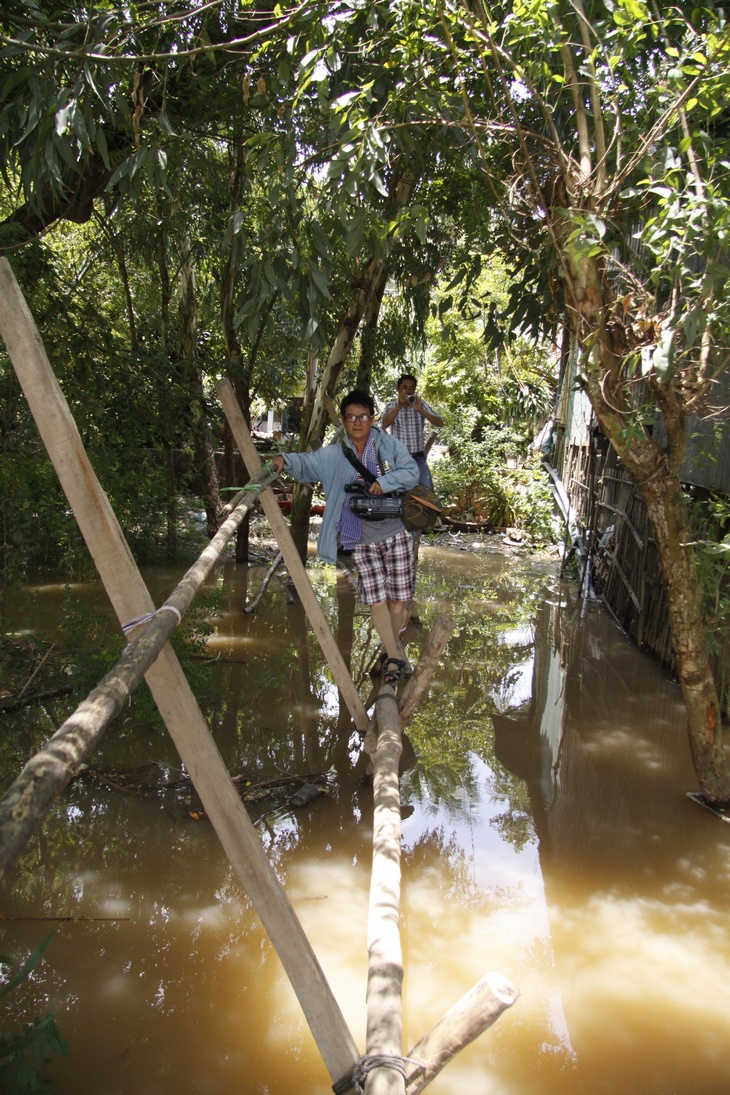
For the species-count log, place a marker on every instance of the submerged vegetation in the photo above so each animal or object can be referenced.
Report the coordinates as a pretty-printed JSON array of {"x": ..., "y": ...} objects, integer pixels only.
[{"x": 25, "y": 1053}]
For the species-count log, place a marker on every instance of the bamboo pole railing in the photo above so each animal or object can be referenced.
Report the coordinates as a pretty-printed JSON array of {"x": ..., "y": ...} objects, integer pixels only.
[
  {"x": 168, "y": 684},
  {"x": 295, "y": 566}
]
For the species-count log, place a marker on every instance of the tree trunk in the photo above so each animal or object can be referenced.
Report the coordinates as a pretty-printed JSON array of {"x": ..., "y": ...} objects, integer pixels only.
[
  {"x": 117, "y": 247},
  {"x": 301, "y": 511},
  {"x": 239, "y": 371},
  {"x": 168, "y": 456},
  {"x": 668, "y": 513},
  {"x": 202, "y": 448},
  {"x": 368, "y": 301},
  {"x": 364, "y": 378},
  {"x": 168, "y": 459},
  {"x": 313, "y": 430}
]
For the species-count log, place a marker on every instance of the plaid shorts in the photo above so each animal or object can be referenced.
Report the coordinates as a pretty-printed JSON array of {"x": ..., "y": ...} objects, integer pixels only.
[{"x": 386, "y": 570}]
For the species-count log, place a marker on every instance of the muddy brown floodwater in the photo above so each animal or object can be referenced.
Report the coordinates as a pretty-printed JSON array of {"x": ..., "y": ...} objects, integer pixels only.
[{"x": 546, "y": 834}]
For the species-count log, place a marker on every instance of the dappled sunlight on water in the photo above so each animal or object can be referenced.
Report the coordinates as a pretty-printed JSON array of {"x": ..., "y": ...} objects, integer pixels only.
[{"x": 546, "y": 834}]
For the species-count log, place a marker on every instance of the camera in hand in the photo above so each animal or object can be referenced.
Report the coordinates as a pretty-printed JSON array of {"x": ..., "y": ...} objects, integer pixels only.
[
  {"x": 373, "y": 507},
  {"x": 411, "y": 399}
]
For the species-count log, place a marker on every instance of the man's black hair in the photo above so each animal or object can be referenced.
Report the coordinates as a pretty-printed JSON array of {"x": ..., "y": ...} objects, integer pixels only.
[
  {"x": 406, "y": 376},
  {"x": 363, "y": 399}
]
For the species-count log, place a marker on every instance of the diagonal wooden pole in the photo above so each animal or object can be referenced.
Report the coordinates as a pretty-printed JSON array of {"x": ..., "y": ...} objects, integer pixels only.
[
  {"x": 294, "y": 564},
  {"x": 477, "y": 1010},
  {"x": 168, "y": 684}
]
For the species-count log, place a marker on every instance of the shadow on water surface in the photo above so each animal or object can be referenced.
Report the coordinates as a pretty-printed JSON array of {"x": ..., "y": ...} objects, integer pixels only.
[{"x": 546, "y": 834}]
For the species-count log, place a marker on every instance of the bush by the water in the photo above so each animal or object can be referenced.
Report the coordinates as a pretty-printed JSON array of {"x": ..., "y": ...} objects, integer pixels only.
[{"x": 476, "y": 486}]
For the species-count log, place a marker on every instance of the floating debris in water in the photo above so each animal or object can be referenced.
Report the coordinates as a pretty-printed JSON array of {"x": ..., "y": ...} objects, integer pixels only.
[{"x": 306, "y": 793}]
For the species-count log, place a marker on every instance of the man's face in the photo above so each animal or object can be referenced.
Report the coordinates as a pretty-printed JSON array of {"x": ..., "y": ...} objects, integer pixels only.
[
  {"x": 358, "y": 422},
  {"x": 406, "y": 388}
]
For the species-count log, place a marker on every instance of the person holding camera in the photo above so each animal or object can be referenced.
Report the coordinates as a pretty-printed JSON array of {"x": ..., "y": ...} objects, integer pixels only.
[
  {"x": 405, "y": 418},
  {"x": 382, "y": 548}
]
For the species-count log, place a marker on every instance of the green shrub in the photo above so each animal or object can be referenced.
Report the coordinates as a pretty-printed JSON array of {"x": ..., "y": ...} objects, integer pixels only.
[{"x": 474, "y": 485}]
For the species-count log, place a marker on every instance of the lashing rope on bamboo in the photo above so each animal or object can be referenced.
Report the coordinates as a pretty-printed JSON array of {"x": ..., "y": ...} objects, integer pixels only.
[
  {"x": 147, "y": 616},
  {"x": 366, "y": 1064}
]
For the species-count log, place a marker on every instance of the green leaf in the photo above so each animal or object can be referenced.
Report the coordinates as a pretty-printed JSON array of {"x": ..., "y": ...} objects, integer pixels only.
[
  {"x": 690, "y": 329},
  {"x": 28, "y": 966},
  {"x": 102, "y": 146},
  {"x": 356, "y": 231},
  {"x": 379, "y": 184},
  {"x": 421, "y": 226},
  {"x": 63, "y": 117},
  {"x": 319, "y": 279}
]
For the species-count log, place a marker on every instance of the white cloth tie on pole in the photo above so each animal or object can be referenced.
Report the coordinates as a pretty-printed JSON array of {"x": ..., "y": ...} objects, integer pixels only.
[{"x": 145, "y": 619}]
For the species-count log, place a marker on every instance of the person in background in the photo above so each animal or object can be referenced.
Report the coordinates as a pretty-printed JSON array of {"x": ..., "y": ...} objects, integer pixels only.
[
  {"x": 405, "y": 416},
  {"x": 382, "y": 551}
]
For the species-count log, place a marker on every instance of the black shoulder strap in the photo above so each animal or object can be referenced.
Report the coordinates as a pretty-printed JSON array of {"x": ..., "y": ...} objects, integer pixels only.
[{"x": 364, "y": 472}]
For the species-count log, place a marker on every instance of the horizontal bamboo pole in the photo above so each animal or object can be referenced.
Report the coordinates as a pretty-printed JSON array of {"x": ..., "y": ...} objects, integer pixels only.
[
  {"x": 29, "y": 798},
  {"x": 477, "y": 1010}
]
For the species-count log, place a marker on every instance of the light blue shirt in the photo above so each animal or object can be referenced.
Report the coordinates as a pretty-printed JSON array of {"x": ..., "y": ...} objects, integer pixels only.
[{"x": 330, "y": 467}]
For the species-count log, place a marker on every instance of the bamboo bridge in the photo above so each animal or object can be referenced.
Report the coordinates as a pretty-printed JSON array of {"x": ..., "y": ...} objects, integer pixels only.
[{"x": 383, "y": 1069}]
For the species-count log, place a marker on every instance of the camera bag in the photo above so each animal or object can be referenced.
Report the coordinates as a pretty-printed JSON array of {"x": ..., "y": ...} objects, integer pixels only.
[{"x": 420, "y": 507}]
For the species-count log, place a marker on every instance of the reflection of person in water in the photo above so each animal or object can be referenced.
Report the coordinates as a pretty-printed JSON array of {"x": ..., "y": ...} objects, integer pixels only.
[{"x": 382, "y": 551}]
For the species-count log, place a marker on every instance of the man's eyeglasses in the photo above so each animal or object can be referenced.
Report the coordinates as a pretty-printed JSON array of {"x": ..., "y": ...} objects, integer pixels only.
[{"x": 357, "y": 417}]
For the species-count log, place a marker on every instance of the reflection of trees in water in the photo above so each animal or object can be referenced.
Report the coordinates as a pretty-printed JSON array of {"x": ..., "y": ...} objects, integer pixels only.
[
  {"x": 601, "y": 747},
  {"x": 515, "y": 825},
  {"x": 272, "y": 713},
  {"x": 450, "y": 866},
  {"x": 452, "y": 727}
]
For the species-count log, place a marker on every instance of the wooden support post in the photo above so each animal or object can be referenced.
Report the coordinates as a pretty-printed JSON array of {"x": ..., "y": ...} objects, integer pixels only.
[
  {"x": 465, "y": 1021},
  {"x": 296, "y": 568},
  {"x": 385, "y": 959},
  {"x": 432, "y": 650},
  {"x": 167, "y": 682}
]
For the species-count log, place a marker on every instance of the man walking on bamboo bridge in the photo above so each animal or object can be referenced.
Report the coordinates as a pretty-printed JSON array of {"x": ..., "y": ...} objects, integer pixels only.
[{"x": 382, "y": 548}]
